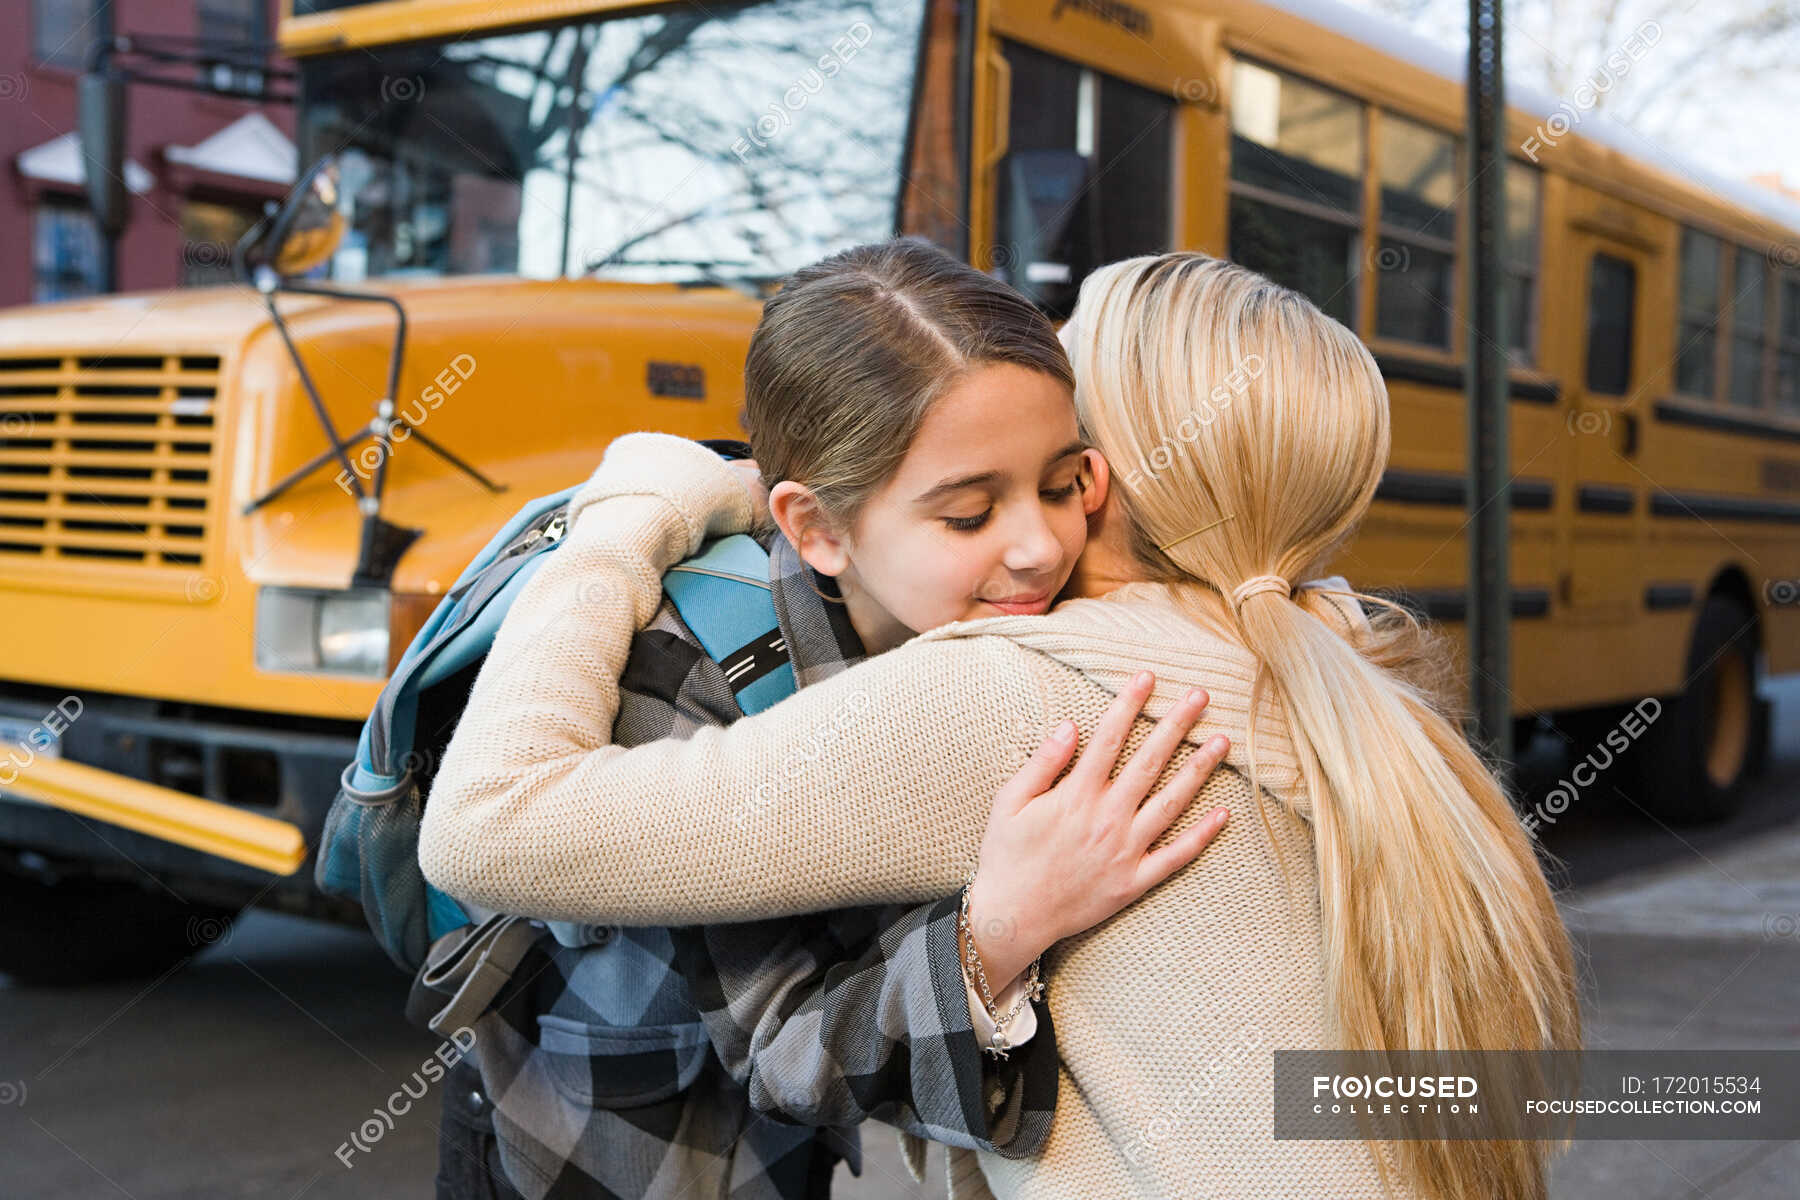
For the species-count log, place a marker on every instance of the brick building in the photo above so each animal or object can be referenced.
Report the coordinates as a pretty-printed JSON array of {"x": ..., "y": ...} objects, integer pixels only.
[{"x": 199, "y": 167}]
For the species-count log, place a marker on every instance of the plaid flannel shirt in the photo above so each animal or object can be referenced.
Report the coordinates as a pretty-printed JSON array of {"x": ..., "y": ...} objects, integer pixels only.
[{"x": 737, "y": 1060}]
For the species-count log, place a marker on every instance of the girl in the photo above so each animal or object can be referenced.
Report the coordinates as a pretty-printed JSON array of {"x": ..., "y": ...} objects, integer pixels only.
[
  {"x": 1387, "y": 899},
  {"x": 920, "y": 418}
]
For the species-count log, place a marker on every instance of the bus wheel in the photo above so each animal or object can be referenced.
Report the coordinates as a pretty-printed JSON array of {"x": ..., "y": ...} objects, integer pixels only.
[
  {"x": 1703, "y": 747},
  {"x": 77, "y": 930}
]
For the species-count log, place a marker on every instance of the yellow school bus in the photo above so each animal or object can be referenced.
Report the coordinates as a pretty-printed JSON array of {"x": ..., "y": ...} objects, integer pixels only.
[{"x": 579, "y": 206}]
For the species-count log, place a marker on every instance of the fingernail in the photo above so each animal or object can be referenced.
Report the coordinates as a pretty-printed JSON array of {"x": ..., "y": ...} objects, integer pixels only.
[
  {"x": 1217, "y": 816},
  {"x": 1196, "y": 696},
  {"x": 1218, "y": 743},
  {"x": 1063, "y": 732},
  {"x": 1141, "y": 679}
]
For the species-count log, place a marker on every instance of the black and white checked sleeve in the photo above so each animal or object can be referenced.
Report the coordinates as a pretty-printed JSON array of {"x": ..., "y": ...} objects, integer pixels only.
[{"x": 836, "y": 1018}]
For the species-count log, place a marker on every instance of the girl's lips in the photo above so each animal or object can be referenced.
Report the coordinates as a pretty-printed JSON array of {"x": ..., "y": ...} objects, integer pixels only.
[{"x": 1030, "y": 606}]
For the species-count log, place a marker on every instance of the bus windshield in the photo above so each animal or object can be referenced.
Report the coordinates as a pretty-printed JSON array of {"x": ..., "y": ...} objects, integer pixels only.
[{"x": 688, "y": 143}]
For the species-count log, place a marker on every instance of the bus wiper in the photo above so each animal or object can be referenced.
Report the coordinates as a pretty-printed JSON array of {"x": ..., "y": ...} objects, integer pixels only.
[{"x": 710, "y": 272}]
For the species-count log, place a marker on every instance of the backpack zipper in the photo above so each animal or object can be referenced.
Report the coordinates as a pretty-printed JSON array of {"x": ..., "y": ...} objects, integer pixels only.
[{"x": 550, "y": 531}]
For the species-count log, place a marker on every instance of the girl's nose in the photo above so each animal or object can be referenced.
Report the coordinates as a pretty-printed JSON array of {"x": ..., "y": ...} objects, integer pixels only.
[{"x": 1033, "y": 545}]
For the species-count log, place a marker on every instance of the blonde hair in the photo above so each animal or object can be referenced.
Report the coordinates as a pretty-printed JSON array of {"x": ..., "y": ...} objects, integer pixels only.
[{"x": 1247, "y": 432}]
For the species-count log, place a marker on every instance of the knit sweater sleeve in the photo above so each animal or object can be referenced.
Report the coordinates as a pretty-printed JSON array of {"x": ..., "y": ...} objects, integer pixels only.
[
  {"x": 872, "y": 786},
  {"x": 549, "y": 688}
]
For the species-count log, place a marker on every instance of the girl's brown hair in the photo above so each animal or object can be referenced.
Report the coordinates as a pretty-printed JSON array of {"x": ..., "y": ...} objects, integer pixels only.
[{"x": 852, "y": 352}]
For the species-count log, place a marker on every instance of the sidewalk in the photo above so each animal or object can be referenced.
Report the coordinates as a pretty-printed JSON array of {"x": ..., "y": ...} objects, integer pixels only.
[{"x": 1702, "y": 955}]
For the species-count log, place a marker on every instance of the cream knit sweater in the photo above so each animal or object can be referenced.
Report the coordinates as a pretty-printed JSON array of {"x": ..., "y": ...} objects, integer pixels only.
[{"x": 874, "y": 786}]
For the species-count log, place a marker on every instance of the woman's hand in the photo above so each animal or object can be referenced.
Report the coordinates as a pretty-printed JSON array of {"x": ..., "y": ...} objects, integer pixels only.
[
  {"x": 751, "y": 476},
  {"x": 1058, "y": 860}
]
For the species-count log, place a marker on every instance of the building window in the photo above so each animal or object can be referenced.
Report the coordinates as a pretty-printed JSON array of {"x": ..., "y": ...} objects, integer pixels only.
[
  {"x": 1416, "y": 266},
  {"x": 1787, "y": 355},
  {"x": 1612, "y": 303},
  {"x": 1749, "y": 291},
  {"x": 66, "y": 252},
  {"x": 62, "y": 31},
  {"x": 1087, "y": 177},
  {"x": 1296, "y": 185},
  {"x": 236, "y": 27},
  {"x": 1697, "y": 328}
]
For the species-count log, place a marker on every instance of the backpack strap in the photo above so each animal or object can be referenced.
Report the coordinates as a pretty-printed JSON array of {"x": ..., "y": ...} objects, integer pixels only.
[
  {"x": 723, "y": 595},
  {"x": 465, "y": 970}
]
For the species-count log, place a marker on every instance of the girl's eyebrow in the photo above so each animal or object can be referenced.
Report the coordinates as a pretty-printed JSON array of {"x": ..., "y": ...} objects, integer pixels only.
[
  {"x": 955, "y": 485},
  {"x": 968, "y": 481}
]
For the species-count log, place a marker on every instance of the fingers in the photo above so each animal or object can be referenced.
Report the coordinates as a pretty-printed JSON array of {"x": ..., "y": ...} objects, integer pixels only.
[
  {"x": 1137, "y": 776},
  {"x": 1160, "y": 864},
  {"x": 1039, "y": 772},
  {"x": 1173, "y": 799},
  {"x": 1103, "y": 748}
]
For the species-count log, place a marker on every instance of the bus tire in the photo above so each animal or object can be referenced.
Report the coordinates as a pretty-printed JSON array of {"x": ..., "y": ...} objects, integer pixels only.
[
  {"x": 1698, "y": 755},
  {"x": 77, "y": 930}
]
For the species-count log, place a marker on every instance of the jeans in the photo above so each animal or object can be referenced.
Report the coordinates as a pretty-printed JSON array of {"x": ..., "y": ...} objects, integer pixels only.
[{"x": 468, "y": 1155}]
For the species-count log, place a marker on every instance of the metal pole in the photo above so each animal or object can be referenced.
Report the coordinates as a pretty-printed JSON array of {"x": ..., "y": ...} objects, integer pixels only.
[
  {"x": 104, "y": 27},
  {"x": 1490, "y": 497}
]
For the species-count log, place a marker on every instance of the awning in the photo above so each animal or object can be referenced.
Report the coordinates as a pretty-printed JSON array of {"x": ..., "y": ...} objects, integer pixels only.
[
  {"x": 59, "y": 161},
  {"x": 251, "y": 147}
]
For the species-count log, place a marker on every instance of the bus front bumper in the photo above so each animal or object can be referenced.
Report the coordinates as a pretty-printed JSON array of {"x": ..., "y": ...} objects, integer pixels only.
[
  {"x": 265, "y": 843},
  {"x": 129, "y": 786}
]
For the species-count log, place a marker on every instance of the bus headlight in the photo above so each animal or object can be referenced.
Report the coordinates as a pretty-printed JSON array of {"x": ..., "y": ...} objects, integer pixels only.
[{"x": 343, "y": 633}]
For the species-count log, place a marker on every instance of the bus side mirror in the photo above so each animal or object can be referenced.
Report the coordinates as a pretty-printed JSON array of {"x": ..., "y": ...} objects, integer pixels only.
[
  {"x": 1046, "y": 242},
  {"x": 306, "y": 230}
]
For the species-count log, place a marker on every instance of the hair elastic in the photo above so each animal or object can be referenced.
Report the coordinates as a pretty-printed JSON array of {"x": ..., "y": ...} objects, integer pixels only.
[{"x": 1257, "y": 584}]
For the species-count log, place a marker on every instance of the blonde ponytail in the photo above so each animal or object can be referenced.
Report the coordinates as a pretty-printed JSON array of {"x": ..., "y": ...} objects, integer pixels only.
[{"x": 1439, "y": 930}]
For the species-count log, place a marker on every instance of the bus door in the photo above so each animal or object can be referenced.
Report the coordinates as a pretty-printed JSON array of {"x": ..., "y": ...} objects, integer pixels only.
[
  {"x": 1600, "y": 576},
  {"x": 1082, "y": 172}
]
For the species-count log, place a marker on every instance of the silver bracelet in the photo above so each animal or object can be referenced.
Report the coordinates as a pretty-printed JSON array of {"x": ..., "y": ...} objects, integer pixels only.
[{"x": 1033, "y": 989}]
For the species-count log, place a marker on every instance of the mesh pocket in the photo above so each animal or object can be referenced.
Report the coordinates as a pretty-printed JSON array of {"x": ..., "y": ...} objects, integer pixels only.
[{"x": 370, "y": 852}]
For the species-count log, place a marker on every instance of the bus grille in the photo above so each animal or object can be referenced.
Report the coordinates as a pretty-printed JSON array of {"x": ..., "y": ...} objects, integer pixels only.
[{"x": 106, "y": 458}]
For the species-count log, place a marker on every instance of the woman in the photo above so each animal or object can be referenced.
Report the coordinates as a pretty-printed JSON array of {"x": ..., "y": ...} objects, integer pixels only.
[{"x": 1387, "y": 898}]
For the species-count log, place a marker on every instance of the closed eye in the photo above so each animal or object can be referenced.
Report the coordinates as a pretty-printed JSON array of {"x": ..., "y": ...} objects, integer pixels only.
[{"x": 967, "y": 524}]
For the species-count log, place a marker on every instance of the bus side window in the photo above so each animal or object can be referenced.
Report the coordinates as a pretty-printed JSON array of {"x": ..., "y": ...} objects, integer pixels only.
[
  {"x": 1297, "y": 162},
  {"x": 1787, "y": 358},
  {"x": 1749, "y": 288},
  {"x": 1415, "y": 268},
  {"x": 1612, "y": 299},
  {"x": 1523, "y": 186},
  {"x": 1697, "y": 334},
  {"x": 1086, "y": 179}
]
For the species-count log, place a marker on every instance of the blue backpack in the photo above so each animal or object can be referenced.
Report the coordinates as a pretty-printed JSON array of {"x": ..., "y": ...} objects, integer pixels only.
[{"x": 369, "y": 850}]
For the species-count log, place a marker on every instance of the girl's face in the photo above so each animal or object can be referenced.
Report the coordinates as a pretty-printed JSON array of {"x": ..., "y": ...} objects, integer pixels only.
[{"x": 985, "y": 516}]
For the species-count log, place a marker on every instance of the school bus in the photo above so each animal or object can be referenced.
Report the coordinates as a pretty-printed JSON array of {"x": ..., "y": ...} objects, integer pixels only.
[{"x": 209, "y": 561}]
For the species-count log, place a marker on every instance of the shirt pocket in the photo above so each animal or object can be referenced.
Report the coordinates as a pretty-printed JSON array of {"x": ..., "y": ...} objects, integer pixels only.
[{"x": 620, "y": 1066}]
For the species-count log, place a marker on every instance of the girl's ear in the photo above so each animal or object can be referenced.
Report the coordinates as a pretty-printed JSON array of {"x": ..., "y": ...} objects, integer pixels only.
[
  {"x": 1094, "y": 479},
  {"x": 802, "y": 521}
]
